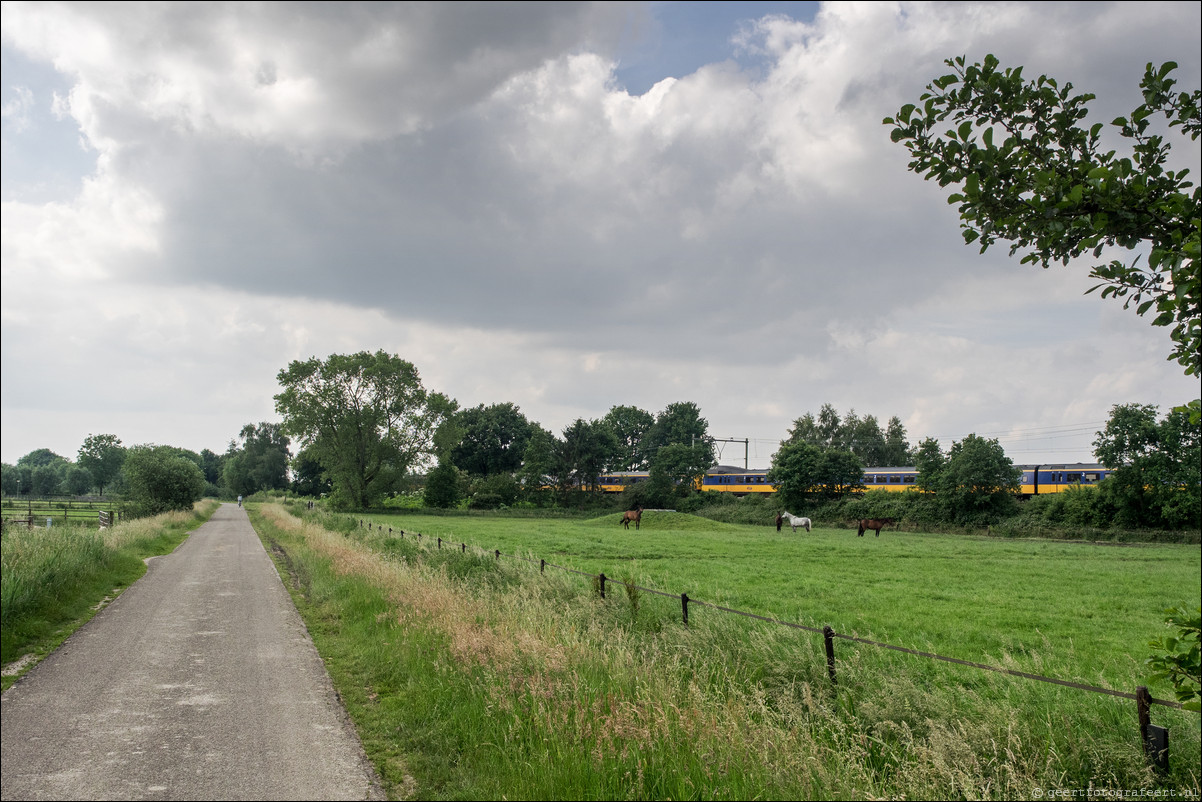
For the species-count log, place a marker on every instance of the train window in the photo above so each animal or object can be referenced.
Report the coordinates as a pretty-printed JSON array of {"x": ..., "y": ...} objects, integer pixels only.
[
  {"x": 1074, "y": 477},
  {"x": 895, "y": 480},
  {"x": 911, "y": 479},
  {"x": 1092, "y": 477}
]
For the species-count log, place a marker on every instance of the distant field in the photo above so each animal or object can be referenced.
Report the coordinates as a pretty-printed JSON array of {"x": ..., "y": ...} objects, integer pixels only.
[
  {"x": 58, "y": 511},
  {"x": 1074, "y": 611}
]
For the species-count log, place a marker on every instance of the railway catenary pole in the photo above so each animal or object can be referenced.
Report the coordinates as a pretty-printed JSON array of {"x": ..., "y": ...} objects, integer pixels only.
[{"x": 746, "y": 450}]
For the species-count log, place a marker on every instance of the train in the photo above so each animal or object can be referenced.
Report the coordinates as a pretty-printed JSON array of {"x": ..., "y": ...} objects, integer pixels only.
[{"x": 1036, "y": 479}]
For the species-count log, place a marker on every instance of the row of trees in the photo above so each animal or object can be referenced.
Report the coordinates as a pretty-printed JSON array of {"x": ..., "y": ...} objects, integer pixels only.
[
  {"x": 1156, "y": 462},
  {"x": 489, "y": 444},
  {"x": 365, "y": 422},
  {"x": 153, "y": 478},
  {"x": 366, "y": 426}
]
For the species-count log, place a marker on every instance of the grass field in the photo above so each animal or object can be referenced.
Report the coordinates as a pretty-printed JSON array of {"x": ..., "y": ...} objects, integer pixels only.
[
  {"x": 1081, "y": 611},
  {"x": 470, "y": 677}
]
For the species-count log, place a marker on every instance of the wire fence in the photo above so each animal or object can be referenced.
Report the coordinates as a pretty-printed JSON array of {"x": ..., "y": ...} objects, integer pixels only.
[{"x": 1153, "y": 738}]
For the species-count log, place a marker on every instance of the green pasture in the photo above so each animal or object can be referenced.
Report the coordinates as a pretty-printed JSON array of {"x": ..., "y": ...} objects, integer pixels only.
[
  {"x": 469, "y": 677},
  {"x": 1076, "y": 611}
]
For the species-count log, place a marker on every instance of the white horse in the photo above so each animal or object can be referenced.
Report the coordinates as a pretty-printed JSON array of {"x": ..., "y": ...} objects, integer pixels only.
[{"x": 793, "y": 521}]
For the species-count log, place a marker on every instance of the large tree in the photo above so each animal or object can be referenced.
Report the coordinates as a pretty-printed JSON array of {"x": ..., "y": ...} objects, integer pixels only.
[
  {"x": 1029, "y": 172},
  {"x": 102, "y": 455},
  {"x": 42, "y": 472},
  {"x": 308, "y": 477},
  {"x": 1157, "y": 464},
  {"x": 365, "y": 417},
  {"x": 492, "y": 439},
  {"x": 860, "y": 436},
  {"x": 586, "y": 448},
  {"x": 974, "y": 483},
  {"x": 540, "y": 463},
  {"x": 683, "y": 465},
  {"x": 630, "y": 426},
  {"x": 261, "y": 463},
  {"x": 680, "y": 424},
  {"x": 803, "y": 471}
]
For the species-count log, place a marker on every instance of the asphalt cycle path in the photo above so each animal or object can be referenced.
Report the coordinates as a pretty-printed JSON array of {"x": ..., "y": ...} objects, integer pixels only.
[{"x": 200, "y": 681}]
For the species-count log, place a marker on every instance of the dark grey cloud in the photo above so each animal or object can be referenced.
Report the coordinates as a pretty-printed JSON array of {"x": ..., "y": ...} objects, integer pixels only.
[{"x": 469, "y": 184}]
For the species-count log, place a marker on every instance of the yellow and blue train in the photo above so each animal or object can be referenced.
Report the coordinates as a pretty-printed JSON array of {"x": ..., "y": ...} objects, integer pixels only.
[{"x": 1036, "y": 479}]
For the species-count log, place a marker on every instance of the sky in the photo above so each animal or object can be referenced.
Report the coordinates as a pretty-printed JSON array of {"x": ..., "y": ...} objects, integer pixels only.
[{"x": 564, "y": 206}]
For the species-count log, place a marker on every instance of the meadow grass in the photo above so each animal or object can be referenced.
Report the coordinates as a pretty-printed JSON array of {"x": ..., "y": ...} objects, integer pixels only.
[
  {"x": 54, "y": 580},
  {"x": 470, "y": 677},
  {"x": 1081, "y": 611}
]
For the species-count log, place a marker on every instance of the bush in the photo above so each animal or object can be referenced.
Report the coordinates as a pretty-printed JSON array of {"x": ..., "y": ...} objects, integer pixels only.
[
  {"x": 494, "y": 492},
  {"x": 442, "y": 487},
  {"x": 159, "y": 480}
]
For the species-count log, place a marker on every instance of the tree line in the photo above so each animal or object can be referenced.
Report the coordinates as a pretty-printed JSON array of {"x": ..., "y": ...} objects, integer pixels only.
[{"x": 366, "y": 429}]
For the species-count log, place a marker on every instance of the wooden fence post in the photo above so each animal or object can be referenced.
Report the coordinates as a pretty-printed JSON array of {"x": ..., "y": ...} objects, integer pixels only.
[
  {"x": 1154, "y": 739},
  {"x": 542, "y": 566},
  {"x": 828, "y": 635},
  {"x": 440, "y": 542},
  {"x": 603, "y": 586},
  {"x": 684, "y": 607}
]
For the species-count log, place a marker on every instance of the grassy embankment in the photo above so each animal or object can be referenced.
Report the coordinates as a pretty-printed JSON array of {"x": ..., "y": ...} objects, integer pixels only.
[
  {"x": 54, "y": 580},
  {"x": 470, "y": 677}
]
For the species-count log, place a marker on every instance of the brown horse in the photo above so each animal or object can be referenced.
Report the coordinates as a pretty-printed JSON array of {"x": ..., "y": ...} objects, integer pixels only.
[
  {"x": 635, "y": 515},
  {"x": 874, "y": 523}
]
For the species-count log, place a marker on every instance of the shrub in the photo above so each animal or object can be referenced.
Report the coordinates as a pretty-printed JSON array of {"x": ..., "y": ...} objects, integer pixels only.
[{"x": 159, "y": 480}]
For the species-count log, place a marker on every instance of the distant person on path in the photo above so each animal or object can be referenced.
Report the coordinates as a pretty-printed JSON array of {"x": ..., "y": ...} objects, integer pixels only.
[{"x": 239, "y": 501}]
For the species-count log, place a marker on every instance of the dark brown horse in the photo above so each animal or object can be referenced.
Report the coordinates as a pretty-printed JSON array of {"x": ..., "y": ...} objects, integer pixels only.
[
  {"x": 874, "y": 523},
  {"x": 635, "y": 515}
]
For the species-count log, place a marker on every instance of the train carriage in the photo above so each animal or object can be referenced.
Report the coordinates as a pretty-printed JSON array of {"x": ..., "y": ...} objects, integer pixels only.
[{"x": 1036, "y": 479}]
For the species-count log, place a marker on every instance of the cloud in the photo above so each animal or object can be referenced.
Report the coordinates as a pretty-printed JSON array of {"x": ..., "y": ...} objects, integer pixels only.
[
  {"x": 16, "y": 111},
  {"x": 470, "y": 186}
]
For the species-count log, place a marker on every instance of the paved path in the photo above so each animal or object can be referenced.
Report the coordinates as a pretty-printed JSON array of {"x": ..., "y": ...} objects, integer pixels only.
[{"x": 199, "y": 682}]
